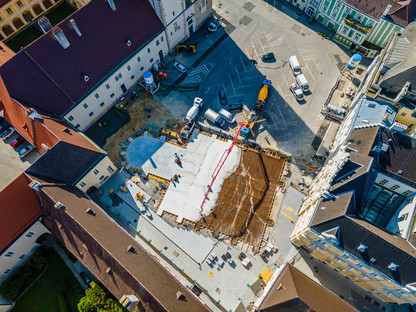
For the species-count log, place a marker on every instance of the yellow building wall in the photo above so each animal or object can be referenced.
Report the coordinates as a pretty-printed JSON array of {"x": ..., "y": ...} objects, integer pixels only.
[{"x": 404, "y": 116}]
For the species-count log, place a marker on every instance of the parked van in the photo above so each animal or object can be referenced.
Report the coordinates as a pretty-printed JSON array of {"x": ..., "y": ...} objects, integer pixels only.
[
  {"x": 227, "y": 115},
  {"x": 302, "y": 82},
  {"x": 215, "y": 118},
  {"x": 294, "y": 65}
]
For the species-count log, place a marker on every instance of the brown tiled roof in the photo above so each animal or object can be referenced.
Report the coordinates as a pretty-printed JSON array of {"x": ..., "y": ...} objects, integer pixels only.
[
  {"x": 49, "y": 77},
  {"x": 331, "y": 209},
  {"x": 293, "y": 291},
  {"x": 113, "y": 241},
  {"x": 19, "y": 208},
  {"x": 372, "y": 8},
  {"x": 363, "y": 140},
  {"x": 404, "y": 15}
]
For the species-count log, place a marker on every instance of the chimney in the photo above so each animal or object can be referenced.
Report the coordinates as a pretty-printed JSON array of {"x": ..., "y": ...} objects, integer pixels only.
[
  {"x": 60, "y": 36},
  {"x": 75, "y": 26},
  {"x": 387, "y": 10},
  {"x": 44, "y": 24},
  {"x": 112, "y": 4},
  {"x": 130, "y": 248},
  {"x": 90, "y": 211}
]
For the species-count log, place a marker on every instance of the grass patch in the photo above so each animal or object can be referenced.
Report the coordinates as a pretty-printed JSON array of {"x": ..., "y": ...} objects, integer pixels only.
[{"x": 44, "y": 294}]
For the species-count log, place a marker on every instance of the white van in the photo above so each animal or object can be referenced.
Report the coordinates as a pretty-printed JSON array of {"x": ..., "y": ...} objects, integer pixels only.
[
  {"x": 294, "y": 65},
  {"x": 227, "y": 115},
  {"x": 302, "y": 82}
]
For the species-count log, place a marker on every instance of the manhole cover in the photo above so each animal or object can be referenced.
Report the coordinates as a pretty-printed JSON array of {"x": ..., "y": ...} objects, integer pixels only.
[
  {"x": 249, "y": 6},
  {"x": 245, "y": 20}
]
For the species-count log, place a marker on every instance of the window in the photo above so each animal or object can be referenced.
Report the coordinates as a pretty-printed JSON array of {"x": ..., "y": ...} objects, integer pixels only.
[
  {"x": 157, "y": 42},
  {"x": 395, "y": 187},
  {"x": 9, "y": 11},
  {"x": 344, "y": 30},
  {"x": 19, "y": 4},
  {"x": 30, "y": 234},
  {"x": 107, "y": 86},
  {"x": 348, "y": 10},
  {"x": 101, "y": 178},
  {"x": 97, "y": 96},
  {"x": 325, "y": 8},
  {"x": 85, "y": 105},
  {"x": 393, "y": 266},
  {"x": 128, "y": 68},
  {"x": 110, "y": 169},
  {"x": 82, "y": 184},
  {"x": 9, "y": 254},
  {"x": 357, "y": 37},
  {"x": 132, "y": 77},
  {"x": 141, "y": 68},
  {"x": 139, "y": 59},
  {"x": 148, "y": 50},
  {"x": 96, "y": 171},
  {"x": 7, "y": 271},
  {"x": 22, "y": 257},
  {"x": 161, "y": 39},
  {"x": 116, "y": 78},
  {"x": 70, "y": 117},
  {"x": 382, "y": 182},
  {"x": 334, "y": 13},
  {"x": 77, "y": 126},
  {"x": 173, "y": 13},
  {"x": 112, "y": 95},
  {"x": 120, "y": 76},
  {"x": 359, "y": 17},
  {"x": 403, "y": 217},
  {"x": 408, "y": 193},
  {"x": 151, "y": 60},
  {"x": 91, "y": 114},
  {"x": 338, "y": 5},
  {"x": 370, "y": 24},
  {"x": 102, "y": 104}
]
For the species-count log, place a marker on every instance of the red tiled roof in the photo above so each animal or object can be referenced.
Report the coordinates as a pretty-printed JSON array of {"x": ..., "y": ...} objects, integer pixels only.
[{"x": 19, "y": 208}]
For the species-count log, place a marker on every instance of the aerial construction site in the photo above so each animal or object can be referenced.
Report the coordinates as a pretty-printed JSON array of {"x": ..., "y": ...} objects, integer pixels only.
[{"x": 211, "y": 182}]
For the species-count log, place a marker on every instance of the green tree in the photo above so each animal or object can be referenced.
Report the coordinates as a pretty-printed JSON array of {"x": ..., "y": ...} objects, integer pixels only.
[
  {"x": 84, "y": 305},
  {"x": 96, "y": 300}
]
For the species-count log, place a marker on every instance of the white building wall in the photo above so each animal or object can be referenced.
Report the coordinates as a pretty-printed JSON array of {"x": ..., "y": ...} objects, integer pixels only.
[
  {"x": 82, "y": 116},
  {"x": 98, "y": 175},
  {"x": 395, "y": 185},
  {"x": 24, "y": 245}
]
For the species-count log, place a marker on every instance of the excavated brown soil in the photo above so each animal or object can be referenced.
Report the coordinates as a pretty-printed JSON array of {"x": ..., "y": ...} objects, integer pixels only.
[{"x": 246, "y": 198}]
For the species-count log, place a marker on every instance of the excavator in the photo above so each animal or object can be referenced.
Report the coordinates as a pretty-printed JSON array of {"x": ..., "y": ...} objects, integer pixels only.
[{"x": 190, "y": 49}]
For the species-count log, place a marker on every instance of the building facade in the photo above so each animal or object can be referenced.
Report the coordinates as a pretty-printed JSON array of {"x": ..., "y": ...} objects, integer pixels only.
[{"x": 311, "y": 7}]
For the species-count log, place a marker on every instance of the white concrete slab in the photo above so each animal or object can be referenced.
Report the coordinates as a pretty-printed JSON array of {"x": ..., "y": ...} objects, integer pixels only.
[
  {"x": 202, "y": 155},
  {"x": 154, "y": 156}
]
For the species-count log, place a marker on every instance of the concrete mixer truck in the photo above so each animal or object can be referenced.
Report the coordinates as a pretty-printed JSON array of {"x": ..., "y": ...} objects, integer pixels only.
[
  {"x": 261, "y": 99},
  {"x": 193, "y": 111}
]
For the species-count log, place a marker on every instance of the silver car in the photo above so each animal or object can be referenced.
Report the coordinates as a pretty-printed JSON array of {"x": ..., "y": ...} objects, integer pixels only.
[{"x": 179, "y": 67}]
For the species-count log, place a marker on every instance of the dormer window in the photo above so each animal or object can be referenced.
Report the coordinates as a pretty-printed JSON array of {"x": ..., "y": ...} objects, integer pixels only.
[
  {"x": 362, "y": 248},
  {"x": 393, "y": 267}
]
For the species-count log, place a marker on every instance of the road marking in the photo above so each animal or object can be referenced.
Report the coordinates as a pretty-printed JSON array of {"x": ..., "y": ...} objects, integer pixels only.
[
  {"x": 290, "y": 209},
  {"x": 207, "y": 89},
  {"x": 290, "y": 218},
  {"x": 199, "y": 74},
  {"x": 265, "y": 11}
]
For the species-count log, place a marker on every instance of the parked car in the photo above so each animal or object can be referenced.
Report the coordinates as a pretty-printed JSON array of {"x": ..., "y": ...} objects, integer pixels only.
[
  {"x": 267, "y": 56},
  {"x": 3, "y": 126},
  {"x": 213, "y": 26},
  {"x": 15, "y": 143},
  {"x": 85, "y": 277},
  {"x": 7, "y": 133},
  {"x": 297, "y": 92},
  {"x": 235, "y": 106},
  {"x": 179, "y": 67},
  {"x": 24, "y": 151},
  {"x": 223, "y": 97}
]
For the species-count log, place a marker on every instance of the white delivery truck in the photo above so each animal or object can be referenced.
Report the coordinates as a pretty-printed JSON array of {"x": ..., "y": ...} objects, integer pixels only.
[
  {"x": 227, "y": 115},
  {"x": 215, "y": 118},
  {"x": 294, "y": 65},
  {"x": 302, "y": 82},
  {"x": 194, "y": 110}
]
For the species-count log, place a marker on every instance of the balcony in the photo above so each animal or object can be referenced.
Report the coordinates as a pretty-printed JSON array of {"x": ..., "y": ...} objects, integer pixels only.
[{"x": 356, "y": 24}]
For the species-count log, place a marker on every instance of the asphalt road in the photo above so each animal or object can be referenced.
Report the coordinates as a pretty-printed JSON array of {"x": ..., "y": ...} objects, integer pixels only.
[{"x": 252, "y": 29}]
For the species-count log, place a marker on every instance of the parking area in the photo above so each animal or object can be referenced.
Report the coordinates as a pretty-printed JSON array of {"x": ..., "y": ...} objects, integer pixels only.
[
  {"x": 252, "y": 29},
  {"x": 11, "y": 166}
]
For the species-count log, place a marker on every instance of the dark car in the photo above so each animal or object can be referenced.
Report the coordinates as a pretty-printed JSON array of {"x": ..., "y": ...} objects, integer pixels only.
[
  {"x": 85, "y": 277},
  {"x": 267, "y": 56},
  {"x": 15, "y": 143},
  {"x": 234, "y": 107},
  {"x": 223, "y": 97}
]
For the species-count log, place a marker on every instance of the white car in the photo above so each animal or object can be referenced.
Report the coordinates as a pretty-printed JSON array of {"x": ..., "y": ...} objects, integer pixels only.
[
  {"x": 297, "y": 92},
  {"x": 24, "y": 151},
  {"x": 179, "y": 67},
  {"x": 213, "y": 26}
]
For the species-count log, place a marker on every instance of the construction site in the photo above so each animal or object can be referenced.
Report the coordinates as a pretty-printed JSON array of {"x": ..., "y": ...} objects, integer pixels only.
[{"x": 210, "y": 182}]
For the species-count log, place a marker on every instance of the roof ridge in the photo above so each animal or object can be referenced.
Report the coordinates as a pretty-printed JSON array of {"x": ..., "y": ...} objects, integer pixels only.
[{"x": 47, "y": 75}]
